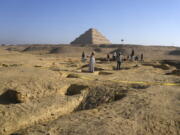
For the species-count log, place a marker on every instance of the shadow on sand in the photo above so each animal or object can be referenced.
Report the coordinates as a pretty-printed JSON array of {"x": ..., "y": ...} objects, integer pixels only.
[{"x": 9, "y": 97}]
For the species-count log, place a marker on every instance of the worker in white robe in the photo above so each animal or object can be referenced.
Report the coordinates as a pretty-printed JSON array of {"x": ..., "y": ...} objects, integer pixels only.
[{"x": 92, "y": 63}]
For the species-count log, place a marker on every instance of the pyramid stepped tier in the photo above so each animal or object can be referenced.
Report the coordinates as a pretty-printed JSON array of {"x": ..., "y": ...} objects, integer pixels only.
[{"x": 92, "y": 36}]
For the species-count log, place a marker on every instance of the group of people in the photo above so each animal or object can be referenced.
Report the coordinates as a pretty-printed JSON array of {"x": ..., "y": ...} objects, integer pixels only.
[
  {"x": 130, "y": 57},
  {"x": 136, "y": 58},
  {"x": 117, "y": 56}
]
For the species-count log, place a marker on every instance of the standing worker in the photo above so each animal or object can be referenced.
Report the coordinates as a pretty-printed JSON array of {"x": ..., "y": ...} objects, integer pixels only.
[
  {"x": 92, "y": 63},
  {"x": 83, "y": 57},
  {"x": 136, "y": 58},
  {"x": 119, "y": 60},
  {"x": 142, "y": 57},
  {"x": 114, "y": 56},
  {"x": 108, "y": 57},
  {"x": 132, "y": 54}
]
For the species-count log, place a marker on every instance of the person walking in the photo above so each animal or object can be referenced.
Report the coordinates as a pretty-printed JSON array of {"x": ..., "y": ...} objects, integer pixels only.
[
  {"x": 92, "y": 63},
  {"x": 119, "y": 60}
]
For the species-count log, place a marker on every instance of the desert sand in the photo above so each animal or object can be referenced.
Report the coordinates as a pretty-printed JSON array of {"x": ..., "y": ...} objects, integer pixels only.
[{"x": 46, "y": 90}]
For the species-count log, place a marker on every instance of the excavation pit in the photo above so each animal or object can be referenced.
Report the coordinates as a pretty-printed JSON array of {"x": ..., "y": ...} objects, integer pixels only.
[
  {"x": 140, "y": 86},
  {"x": 119, "y": 97},
  {"x": 10, "y": 97},
  {"x": 73, "y": 76},
  {"x": 174, "y": 72},
  {"x": 75, "y": 89},
  {"x": 99, "y": 96}
]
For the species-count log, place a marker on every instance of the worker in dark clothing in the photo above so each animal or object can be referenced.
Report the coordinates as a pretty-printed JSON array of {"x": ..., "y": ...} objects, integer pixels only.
[
  {"x": 108, "y": 57},
  {"x": 119, "y": 60},
  {"x": 136, "y": 58},
  {"x": 132, "y": 54},
  {"x": 142, "y": 57},
  {"x": 114, "y": 56},
  {"x": 83, "y": 55}
]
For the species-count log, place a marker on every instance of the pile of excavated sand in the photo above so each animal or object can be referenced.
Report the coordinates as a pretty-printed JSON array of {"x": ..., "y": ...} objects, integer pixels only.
[{"x": 28, "y": 84}]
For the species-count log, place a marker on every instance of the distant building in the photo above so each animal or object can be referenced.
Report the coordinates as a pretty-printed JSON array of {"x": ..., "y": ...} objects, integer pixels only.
[{"x": 92, "y": 36}]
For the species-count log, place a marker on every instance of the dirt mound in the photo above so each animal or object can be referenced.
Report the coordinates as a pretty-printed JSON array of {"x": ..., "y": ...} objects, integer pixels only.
[
  {"x": 121, "y": 49},
  {"x": 38, "y": 48},
  {"x": 175, "y": 63},
  {"x": 27, "y": 114},
  {"x": 70, "y": 49},
  {"x": 175, "y": 52},
  {"x": 150, "y": 52},
  {"x": 58, "y": 50}
]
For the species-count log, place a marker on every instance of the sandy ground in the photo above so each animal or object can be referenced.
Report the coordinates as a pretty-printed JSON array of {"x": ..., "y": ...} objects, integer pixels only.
[{"x": 50, "y": 94}]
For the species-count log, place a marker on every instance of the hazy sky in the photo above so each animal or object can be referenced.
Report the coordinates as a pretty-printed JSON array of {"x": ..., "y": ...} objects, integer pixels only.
[{"x": 60, "y": 21}]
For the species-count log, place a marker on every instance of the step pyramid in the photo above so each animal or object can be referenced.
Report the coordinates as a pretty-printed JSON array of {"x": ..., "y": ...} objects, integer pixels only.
[{"x": 92, "y": 36}]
